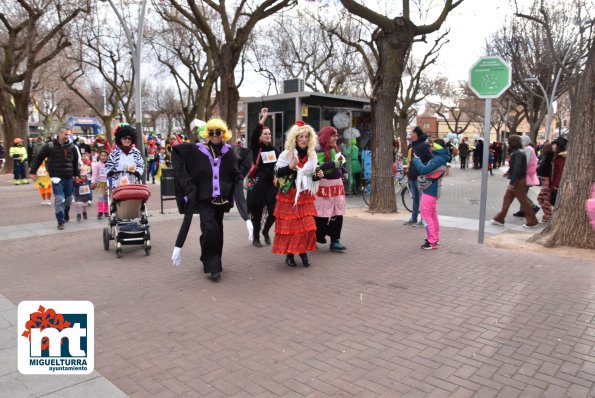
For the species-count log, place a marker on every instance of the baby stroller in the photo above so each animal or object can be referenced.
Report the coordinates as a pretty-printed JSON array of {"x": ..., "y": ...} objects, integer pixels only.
[{"x": 127, "y": 205}]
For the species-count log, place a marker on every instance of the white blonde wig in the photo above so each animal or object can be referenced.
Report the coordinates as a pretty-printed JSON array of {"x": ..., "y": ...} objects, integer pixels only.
[{"x": 294, "y": 132}]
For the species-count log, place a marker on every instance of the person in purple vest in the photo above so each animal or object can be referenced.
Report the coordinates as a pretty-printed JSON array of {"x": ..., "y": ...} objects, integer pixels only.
[{"x": 207, "y": 181}]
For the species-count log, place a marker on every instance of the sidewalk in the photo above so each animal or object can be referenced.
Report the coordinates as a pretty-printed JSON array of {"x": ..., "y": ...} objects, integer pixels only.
[
  {"x": 14, "y": 384},
  {"x": 384, "y": 319}
]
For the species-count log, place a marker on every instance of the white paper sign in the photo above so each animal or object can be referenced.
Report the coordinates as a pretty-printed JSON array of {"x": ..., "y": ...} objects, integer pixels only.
[{"x": 268, "y": 157}]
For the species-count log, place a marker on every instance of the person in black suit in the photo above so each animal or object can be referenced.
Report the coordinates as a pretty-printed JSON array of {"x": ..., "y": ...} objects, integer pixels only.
[{"x": 207, "y": 181}]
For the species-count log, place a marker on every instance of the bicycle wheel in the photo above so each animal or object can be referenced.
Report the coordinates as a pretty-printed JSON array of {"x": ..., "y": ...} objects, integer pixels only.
[
  {"x": 366, "y": 192},
  {"x": 406, "y": 198}
]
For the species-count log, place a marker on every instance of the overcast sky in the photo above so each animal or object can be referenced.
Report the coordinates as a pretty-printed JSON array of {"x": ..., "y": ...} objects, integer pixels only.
[{"x": 471, "y": 23}]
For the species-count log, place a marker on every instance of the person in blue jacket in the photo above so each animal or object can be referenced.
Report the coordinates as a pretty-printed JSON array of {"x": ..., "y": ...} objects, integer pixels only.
[
  {"x": 421, "y": 149},
  {"x": 430, "y": 181}
]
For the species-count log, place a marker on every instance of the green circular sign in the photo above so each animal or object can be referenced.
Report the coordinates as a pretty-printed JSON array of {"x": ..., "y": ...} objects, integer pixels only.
[{"x": 490, "y": 77}]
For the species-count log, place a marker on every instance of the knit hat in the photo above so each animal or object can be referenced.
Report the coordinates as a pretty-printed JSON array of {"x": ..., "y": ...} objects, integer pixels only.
[
  {"x": 561, "y": 142},
  {"x": 525, "y": 140}
]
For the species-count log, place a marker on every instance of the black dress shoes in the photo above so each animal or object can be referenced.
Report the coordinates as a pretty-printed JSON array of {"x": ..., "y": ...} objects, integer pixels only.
[
  {"x": 267, "y": 238},
  {"x": 215, "y": 276},
  {"x": 256, "y": 242},
  {"x": 305, "y": 260},
  {"x": 290, "y": 260}
]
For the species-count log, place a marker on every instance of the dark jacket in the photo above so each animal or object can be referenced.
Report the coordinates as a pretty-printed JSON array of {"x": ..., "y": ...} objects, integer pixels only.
[
  {"x": 557, "y": 169},
  {"x": 63, "y": 160},
  {"x": 544, "y": 169},
  {"x": 518, "y": 166},
  {"x": 422, "y": 150},
  {"x": 264, "y": 190},
  {"x": 463, "y": 149},
  {"x": 194, "y": 178}
]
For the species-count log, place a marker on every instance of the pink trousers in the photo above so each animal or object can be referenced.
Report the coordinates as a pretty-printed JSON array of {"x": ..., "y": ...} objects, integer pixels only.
[{"x": 429, "y": 214}]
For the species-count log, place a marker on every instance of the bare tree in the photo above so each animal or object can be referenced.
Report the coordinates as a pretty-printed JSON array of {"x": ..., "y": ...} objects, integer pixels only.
[
  {"x": 174, "y": 43},
  {"x": 569, "y": 225},
  {"x": 419, "y": 86},
  {"x": 99, "y": 67},
  {"x": 526, "y": 47},
  {"x": 33, "y": 32},
  {"x": 393, "y": 39},
  {"x": 456, "y": 108},
  {"x": 236, "y": 23},
  {"x": 304, "y": 50},
  {"x": 51, "y": 98},
  {"x": 161, "y": 102}
]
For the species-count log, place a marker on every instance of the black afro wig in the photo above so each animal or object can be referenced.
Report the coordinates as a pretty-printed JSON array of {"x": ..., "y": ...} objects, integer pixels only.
[{"x": 124, "y": 130}]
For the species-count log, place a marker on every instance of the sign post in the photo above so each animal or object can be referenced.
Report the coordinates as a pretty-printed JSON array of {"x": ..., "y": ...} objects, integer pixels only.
[{"x": 489, "y": 78}]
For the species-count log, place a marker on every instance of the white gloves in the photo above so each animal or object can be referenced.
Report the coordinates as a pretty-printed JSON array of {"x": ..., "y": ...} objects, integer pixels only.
[
  {"x": 250, "y": 230},
  {"x": 176, "y": 257}
]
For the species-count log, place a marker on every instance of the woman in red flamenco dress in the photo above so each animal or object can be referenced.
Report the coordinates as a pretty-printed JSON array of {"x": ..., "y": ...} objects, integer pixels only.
[{"x": 295, "y": 228}]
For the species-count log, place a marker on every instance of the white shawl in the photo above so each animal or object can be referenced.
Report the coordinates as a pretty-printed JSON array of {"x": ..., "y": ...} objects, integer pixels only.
[{"x": 303, "y": 181}]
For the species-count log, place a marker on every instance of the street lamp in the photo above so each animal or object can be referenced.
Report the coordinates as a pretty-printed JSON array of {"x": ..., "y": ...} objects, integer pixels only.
[
  {"x": 548, "y": 103},
  {"x": 136, "y": 59}
]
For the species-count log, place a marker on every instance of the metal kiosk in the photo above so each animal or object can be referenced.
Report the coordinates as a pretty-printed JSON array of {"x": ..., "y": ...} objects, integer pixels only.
[{"x": 168, "y": 191}]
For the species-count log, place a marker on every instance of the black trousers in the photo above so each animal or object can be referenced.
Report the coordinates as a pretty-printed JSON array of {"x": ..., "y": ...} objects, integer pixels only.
[
  {"x": 463, "y": 162},
  {"x": 211, "y": 238},
  {"x": 256, "y": 217},
  {"x": 330, "y": 226}
]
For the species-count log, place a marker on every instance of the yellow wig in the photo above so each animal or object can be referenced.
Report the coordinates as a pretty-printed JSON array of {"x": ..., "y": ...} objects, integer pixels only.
[
  {"x": 292, "y": 134},
  {"x": 216, "y": 124}
]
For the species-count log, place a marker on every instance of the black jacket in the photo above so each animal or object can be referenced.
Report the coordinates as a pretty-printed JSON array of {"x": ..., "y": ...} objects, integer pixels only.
[
  {"x": 423, "y": 152},
  {"x": 194, "y": 178},
  {"x": 63, "y": 160},
  {"x": 518, "y": 166}
]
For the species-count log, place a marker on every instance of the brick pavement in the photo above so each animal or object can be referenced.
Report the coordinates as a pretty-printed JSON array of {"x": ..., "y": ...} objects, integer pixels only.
[{"x": 384, "y": 319}]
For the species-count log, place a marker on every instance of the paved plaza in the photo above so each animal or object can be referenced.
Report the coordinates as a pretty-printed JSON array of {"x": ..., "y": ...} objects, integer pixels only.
[{"x": 384, "y": 319}]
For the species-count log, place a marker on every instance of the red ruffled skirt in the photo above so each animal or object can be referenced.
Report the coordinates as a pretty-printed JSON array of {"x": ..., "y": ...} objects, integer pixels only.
[{"x": 295, "y": 228}]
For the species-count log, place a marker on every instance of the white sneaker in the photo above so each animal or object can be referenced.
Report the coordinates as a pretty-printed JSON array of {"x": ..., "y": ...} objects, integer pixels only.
[
  {"x": 531, "y": 226},
  {"x": 43, "y": 202},
  {"x": 496, "y": 222}
]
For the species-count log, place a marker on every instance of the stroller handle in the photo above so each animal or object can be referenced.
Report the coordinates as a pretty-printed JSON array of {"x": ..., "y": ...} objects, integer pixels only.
[{"x": 110, "y": 179}]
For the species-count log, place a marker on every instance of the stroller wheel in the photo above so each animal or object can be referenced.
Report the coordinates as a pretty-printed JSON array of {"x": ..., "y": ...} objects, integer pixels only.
[
  {"x": 118, "y": 250},
  {"x": 105, "y": 239}
]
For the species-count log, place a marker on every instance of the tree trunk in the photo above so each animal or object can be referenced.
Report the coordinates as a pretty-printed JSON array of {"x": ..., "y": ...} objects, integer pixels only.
[
  {"x": 569, "y": 225},
  {"x": 107, "y": 124},
  {"x": 228, "y": 102},
  {"x": 393, "y": 50},
  {"x": 229, "y": 95},
  {"x": 15, "y": 122}
]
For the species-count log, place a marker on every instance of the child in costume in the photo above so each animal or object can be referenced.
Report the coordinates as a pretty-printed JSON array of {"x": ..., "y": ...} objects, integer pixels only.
[
  {"x": 44, "y": 185},
  {"x": 152, "y": 157},
  {"x": 163, "y": 160},
  {"x": 99, "y": 183},
  {"x": 82, "y": 195}
]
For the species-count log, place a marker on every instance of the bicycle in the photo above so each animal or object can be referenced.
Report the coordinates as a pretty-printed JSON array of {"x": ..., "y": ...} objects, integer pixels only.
[{"x": 401, "y": 190}]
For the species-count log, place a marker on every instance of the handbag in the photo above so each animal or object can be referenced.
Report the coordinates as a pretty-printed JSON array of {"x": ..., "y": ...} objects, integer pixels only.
[{"x": 250, "y": 180}]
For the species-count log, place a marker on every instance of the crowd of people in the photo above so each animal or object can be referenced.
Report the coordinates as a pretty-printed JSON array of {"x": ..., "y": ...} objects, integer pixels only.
[
  {"x": 301, "y": 191},
  {"x": 74, "y": 171}
]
